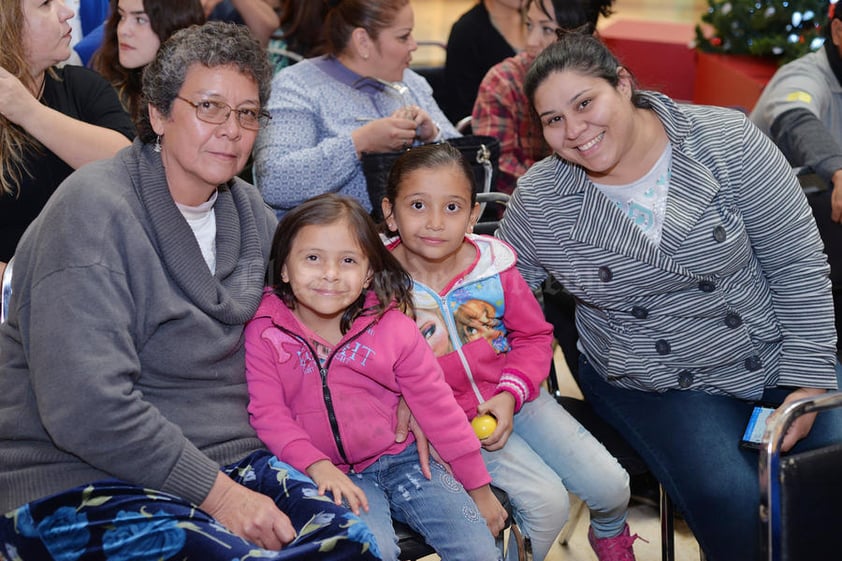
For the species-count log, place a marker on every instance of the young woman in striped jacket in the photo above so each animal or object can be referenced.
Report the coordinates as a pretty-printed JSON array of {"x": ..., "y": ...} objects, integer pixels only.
[{"x": 701, "y": 282}]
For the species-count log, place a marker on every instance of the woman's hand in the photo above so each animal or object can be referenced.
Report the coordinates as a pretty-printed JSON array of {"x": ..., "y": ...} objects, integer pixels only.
[
  {"x": 425, "y": 129},
  {"x": 75, "y": 142},
  {"x": 16, "y": 101},
  {"x": 802, "y": 425},
  {"x": 329, "y": 478},
  {"x": 406, "y": 422},
  {"x": 250, "y": 515},
  {"x": 502, "y": 406},
  {"x": 490, "y": 508},
  {"x": 387, "y": 134}
]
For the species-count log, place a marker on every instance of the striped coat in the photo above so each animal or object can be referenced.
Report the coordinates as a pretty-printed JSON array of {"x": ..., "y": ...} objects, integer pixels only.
[{"x": 735, "y": 299}]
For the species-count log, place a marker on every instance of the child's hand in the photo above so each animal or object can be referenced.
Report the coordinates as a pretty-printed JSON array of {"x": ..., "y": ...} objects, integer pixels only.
[
  {"x": 490, "y": 508},
  {"x": 502, "y": 406},
  {"x": 329, "y": 478}
]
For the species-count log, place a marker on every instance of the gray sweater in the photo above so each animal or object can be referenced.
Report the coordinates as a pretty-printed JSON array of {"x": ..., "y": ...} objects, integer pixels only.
[{"x": 123, "y": 355}]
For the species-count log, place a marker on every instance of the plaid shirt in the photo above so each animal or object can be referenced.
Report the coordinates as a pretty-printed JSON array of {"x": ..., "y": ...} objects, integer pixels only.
[{"x": 502, "y": 111}]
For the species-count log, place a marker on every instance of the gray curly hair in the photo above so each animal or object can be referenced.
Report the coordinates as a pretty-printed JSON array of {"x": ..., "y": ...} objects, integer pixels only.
[{"x": 212, "y": 44}]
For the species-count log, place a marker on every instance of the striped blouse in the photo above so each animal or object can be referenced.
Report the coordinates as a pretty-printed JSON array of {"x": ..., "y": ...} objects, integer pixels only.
[{"x": 736, "y": 297}]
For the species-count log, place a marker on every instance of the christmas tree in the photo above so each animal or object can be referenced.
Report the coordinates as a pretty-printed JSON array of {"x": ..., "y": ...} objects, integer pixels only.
[{"x": 782, "y": 29}]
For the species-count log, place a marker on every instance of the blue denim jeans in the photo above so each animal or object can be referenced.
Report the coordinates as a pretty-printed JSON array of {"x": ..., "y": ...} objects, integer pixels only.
[
  {"x": 114, "y": 521},
  {"x": 439, "y": 509},
  {"x": 548, "y": 454},
  {"x": 690, "y": 441}
]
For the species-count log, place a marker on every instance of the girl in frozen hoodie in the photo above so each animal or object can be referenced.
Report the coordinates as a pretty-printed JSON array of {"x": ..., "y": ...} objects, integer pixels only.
[
  {"x": 329, "y": 354},
  {"x": 489, "y": 333}
]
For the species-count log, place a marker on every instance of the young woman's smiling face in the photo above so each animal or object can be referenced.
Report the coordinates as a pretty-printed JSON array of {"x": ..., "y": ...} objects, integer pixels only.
[{"x": 586, "y": 120}]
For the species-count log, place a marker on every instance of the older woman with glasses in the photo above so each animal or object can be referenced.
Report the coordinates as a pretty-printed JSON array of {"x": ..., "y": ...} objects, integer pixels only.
[{"x": 124, "y": 432}]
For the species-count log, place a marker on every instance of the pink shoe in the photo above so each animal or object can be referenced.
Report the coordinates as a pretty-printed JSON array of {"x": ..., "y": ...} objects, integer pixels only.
[{"x": 618, "y": 548}]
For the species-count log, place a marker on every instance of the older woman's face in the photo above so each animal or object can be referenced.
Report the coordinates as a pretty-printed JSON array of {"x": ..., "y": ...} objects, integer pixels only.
[
  {"x": 393, "y": 48},
  {"x": 46, "y": 33},
  {"x": 586, "y": 120},
  {"x": 199, "y": 156}
]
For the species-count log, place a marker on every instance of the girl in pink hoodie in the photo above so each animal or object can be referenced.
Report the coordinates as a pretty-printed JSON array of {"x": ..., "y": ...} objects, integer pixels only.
[{"x": 329, "y": 354}]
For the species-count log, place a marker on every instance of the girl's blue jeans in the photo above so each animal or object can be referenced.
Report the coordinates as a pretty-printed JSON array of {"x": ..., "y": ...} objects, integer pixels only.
[
  {"x": 114, "y": 521},
  {"x": 439, "y": 509},
  {"x": 691, "y": 442},
  {"x": 548, "y": 454}
]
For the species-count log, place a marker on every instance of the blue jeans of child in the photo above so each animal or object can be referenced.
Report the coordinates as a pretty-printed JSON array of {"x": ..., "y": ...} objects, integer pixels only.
[
  {"x": 690, "y": 441},
  {"x": 547, "y": 454},
  {"x": 113, "y": 521},
  {"x": 439, "y": 509}
]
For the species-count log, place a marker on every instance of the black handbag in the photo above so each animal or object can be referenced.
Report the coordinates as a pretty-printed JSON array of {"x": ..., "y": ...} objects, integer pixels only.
[{"x": 482, "y": 152}]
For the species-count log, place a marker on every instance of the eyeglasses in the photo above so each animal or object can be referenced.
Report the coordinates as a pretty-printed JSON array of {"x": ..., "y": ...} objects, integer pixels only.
[{"x": 216, "y": 113}]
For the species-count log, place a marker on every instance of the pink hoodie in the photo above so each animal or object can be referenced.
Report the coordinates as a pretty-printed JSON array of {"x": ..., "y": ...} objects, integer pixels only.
[
  {"x": 350, "y": 419},
  {"x": 518, "y": 359}
]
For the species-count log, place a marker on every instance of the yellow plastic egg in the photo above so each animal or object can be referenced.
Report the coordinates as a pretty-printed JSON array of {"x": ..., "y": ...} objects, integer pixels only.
[{"x": 484, "y": 425}]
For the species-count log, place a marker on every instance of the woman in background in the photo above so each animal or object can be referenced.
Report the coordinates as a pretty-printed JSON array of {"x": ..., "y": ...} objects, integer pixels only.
[
  {"x": 133, "y": 32},
  {"x": 301, "y": 31},
  {"x": 52, "y": 119},
  {"x": 360, "y": 97},
  {"x": 483, "y": 36}
]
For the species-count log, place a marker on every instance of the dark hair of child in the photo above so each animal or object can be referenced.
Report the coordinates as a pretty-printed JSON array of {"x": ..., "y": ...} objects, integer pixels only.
[
  {"x": 427, "y": 156},
  {"x": 390, "y": 282}
]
